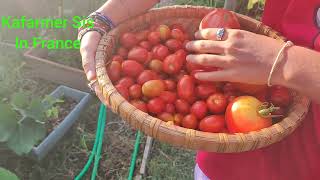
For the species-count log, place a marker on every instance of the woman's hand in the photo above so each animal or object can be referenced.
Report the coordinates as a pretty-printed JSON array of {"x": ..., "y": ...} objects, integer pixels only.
[
  {"x": 88, "y": 49},
  {"x": 243, "y": 56}
]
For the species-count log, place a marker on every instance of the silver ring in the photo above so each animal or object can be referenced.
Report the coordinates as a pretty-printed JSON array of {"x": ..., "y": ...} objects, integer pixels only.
[
  {"x": 91, "y": 85},
  {"x": 220, "y": 33}
]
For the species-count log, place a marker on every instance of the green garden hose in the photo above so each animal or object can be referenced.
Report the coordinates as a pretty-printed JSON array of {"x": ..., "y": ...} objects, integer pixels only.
[
  {"x": 97, "y": 147},
  {"x": 134, "y": 155},
  {"x": 98, "y": 154},
  {"x": 95, "y": 153}
]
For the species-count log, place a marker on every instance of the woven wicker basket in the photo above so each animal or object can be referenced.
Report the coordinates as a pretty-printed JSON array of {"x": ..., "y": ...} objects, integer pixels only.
[{"x": 190, "y": 17}]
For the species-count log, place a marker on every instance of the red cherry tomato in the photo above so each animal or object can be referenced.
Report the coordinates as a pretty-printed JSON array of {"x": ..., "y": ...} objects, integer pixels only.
[
  {"x": 124, "y": 92},
  {"x": 170, "y": 84},
  {"x": 185, "y": 87},
  {"x": 114, "y": 71},
  {"x": 170, "y": 108},
  {"x": 177, "y": 34},
  {"x": 154, "y": 38},
  {"x": 168, "y": 96},
  {"x": 171, "y": 64},
  {"x": 199, "y": 109},
  {"x": 128, "y": 40},
  {"x": 156, "y": 106},
  {"x": 182, "y": 106},
  {"x": 166, "y": 117},
  {"x": 160, "y": 52},
  {"x": 138, "y": 54},
  {"x": 126, "y": 82},
  {"x": 214, "y": 124},
  {"x": 146, "y": 45},
  {"x": 217, "y": 103},
  {"x": 203, "y": 91},
  {"x": 190, "y": 121},
  {"x": 181, "y": 56},
  {"x": 173, "y": 44},
  {"x": 131, "y": 68},
  {"x": 135, "y": 91},
  {"x": 147, "y": 75},
  {"x": 180, "y": 75}
]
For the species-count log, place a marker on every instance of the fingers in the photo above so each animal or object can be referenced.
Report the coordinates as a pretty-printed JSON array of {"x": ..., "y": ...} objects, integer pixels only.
[
  {"x": 211, "y": 34},
  {"x": 98, "y": 91},
  {"x": 88, "y": 50},
  {"x": 223, "y": 75},
  {"x": 211, "y": 60},
  {"x": 206, "y": 46}
]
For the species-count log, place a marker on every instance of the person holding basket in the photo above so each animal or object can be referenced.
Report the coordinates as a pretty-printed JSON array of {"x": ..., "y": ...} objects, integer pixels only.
[{"x": 245, "y": 57}]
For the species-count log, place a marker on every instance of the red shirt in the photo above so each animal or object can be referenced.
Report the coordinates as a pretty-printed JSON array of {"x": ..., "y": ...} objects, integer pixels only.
[{"x": 297, "y": 157}]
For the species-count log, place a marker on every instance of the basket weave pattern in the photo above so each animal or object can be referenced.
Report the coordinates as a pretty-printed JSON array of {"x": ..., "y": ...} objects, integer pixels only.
[{"x": 190, "y": 17}]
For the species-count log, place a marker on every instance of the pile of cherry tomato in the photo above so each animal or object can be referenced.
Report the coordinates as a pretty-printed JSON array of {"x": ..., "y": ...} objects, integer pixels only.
[{"x": 150, "y": 70}]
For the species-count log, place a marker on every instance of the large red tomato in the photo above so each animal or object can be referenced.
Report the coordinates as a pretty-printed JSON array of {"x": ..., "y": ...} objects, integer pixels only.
[
  {"x": 242, "y": 115},
  {"x": 220, "y": 18}
]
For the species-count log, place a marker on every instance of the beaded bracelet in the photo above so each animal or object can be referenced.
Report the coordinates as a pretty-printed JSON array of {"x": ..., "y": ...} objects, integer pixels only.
[
  {"x": 287, "y": 44},
  {"x": 103, "y": 18},
  {"x": 102, "y": 24}
]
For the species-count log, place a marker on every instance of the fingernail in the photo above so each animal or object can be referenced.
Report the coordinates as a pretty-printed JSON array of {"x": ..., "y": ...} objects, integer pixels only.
[
  {"x": 196, "y": 34},
  {"x": 197, "y": 76},
  {"x": 189, "y": 57},
  {"x": 90, "y": 75},
  {"x": 188, "y": 44}
]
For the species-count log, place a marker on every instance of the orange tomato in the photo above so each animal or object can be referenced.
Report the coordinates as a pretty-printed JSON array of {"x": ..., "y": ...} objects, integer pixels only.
[{"x": 242, "y": 115}]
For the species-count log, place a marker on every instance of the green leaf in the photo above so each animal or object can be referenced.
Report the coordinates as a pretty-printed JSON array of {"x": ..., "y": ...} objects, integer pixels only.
[
  {"x": 8, "y": 122},
  {"x": 50, "y": 101},
  {"x": 27, "y": 134},
  {"x": 53, "y": 112},
  {"x": 36, "y": 110},
  {"x": 20, "y": 100},
  {"x": 7, "y": 175}
]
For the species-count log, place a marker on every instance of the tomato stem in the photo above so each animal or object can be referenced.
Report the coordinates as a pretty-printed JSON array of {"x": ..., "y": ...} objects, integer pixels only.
[{"x": 265, "y": 110}]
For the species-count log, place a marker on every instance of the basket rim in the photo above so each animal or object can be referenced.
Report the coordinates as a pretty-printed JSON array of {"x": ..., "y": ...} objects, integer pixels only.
[{"x": 109, "y": 92}]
